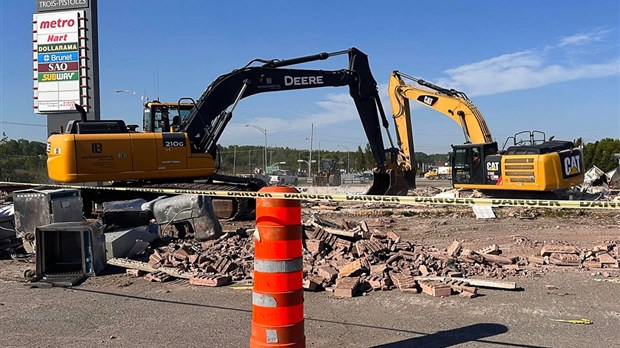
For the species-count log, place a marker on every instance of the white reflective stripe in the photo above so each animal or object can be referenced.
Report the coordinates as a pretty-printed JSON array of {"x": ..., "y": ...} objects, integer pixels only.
[
  {"x": 278, "y": 266},
  {"x": 272, "y": 336},
  {"x": 263, "y": 300}
]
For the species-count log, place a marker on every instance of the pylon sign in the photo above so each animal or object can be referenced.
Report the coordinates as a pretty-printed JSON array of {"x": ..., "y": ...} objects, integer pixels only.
[{"x": 59, "y": 68}]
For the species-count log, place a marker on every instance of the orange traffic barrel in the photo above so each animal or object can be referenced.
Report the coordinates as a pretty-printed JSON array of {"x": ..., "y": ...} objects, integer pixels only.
[{"x": 277, "y": 298}]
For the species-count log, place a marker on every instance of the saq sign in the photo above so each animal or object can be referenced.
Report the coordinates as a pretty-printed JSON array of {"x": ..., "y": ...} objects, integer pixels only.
[{"x": 57, "y": 71}]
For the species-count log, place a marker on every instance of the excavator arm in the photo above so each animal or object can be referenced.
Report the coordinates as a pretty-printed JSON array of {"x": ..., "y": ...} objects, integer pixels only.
[
  {"x": 213, "y": 111},
  {"x": 449, "y": 102}
]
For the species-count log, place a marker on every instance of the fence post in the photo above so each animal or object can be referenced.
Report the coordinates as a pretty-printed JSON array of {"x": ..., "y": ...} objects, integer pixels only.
[{"x": 277, "y": 298}]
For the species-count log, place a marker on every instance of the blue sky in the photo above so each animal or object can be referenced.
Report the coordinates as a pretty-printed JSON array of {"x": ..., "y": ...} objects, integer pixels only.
[{"x": 550, "y": 65}]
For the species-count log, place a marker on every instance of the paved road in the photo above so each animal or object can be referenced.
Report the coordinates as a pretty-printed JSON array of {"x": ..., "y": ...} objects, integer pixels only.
[{"x": 118, "y": 311}]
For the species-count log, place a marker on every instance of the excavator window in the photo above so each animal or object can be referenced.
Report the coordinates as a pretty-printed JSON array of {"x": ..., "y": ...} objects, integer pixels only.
[
  {"x": 461, "y": 165},
  {"x": 467, "y": 162},
  {"x": 160, "y": 117}
]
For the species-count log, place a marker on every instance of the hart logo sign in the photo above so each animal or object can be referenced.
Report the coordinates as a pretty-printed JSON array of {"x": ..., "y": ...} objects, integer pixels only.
[{"x": 57, "y": 54}]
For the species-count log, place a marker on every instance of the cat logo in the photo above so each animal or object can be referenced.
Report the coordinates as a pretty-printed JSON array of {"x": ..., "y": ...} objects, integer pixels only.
[
  {"x": 492, "y": 166},
  {"x": 572, "y": 165},
  {"x": 427, "y": 99}
]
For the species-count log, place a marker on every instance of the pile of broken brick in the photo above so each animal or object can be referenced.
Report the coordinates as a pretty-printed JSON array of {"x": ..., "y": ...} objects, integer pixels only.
[
  {"x": 599, "y": 257},
  {"x": 350, "y": 259}
]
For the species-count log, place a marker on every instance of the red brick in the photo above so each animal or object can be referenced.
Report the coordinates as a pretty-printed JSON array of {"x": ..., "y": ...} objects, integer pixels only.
[
  {"x": 180, "y": 254},
  {"x": 155, "y": 259},
  {"x": 491, "y": 250},
  {"x": 346, "y": 287},
  {"x": 312, "y": 282},
  {"x": 350, "y": 269},
  {"x": 455, "y": 248},
  {"x": 592, "y": 264},
  {"x": 403, "y": 281},
  {"x": 134, "y": 272},
  {"x": 209, "y": 280},
  {"x": 328, "y": 273},
  {"x": 393, "y": 236},
  {"x": 496, "y": 259},
  {"x": 314, "y": 246},
  {"x": 539, "y": 260},
  {"x": 435, "y": 288},
  {"x": 564, "y": 259},
  {"x": 561, "y": 249},
  {"x": 423, "y": 270},
  {"x": 607, "y": 259},
  {"x": 224, "y": 265},
  {"x": 157, "y": 277},
  {"x": 466, "y": 294},
  {"x": 378, "y": 270}
]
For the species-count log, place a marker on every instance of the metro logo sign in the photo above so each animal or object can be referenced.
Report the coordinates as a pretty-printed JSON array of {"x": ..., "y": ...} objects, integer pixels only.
[{"x": 59, "y": 23}]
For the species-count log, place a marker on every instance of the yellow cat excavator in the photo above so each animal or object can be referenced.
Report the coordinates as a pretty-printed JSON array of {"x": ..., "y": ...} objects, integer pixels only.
[
  {"x": 532, "y": 163},
  {"x": 183, "y": 153}
]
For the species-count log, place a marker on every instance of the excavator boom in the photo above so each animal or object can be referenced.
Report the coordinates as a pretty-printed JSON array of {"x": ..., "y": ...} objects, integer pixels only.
[{"x": 449, "y": 102}]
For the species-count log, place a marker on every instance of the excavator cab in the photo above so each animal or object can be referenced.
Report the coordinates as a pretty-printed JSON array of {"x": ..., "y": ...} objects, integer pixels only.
[
  {"x": 159, "y": 117},
  {"x": 471, "y": 163}
]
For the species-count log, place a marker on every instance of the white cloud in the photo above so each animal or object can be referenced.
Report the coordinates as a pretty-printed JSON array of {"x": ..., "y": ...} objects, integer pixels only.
[
  {"x": 529, "y": 69},
  {"x": 579, "y": 39}
]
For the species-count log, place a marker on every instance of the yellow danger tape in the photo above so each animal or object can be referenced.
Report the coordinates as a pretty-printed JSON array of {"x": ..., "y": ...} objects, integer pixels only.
[{"x": 404, "y": 200}]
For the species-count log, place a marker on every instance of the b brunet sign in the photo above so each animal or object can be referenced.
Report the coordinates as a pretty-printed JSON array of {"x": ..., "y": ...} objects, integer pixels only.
[
  {"x": 57, "y": 68},
  {"x": 55, "y": 5}
]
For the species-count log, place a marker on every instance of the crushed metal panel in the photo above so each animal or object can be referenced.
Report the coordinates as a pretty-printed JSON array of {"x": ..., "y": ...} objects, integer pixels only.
[
  {"x": 187, "y": 214},
  {"x": 118, "y": 243},
  {"x": 35, "y": 208}
]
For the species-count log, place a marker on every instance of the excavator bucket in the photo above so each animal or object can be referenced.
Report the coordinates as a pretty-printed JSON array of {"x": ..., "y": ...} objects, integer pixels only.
[{"x": 392, "y": 182}]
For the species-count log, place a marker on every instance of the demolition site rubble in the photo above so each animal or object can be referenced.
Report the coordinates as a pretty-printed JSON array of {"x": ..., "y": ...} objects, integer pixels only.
[{"x": 352, "y": 258}]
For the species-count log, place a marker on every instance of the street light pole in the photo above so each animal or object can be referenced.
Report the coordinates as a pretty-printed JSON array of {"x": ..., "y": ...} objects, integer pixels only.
[
  {"x": 264, "y": 131},
  {"x": 143, "y": 98}
]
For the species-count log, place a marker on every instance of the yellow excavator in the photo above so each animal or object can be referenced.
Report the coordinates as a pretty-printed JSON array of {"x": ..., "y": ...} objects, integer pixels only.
[
  {"x": 527, "y": 162},
  {"x": 182, "y": 152}
]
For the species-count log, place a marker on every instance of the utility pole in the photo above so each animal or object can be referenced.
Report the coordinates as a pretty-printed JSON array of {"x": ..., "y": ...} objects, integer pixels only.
[
  {"x": 318, "y": 165},
  {"x": 310, "y": 160},
  {"x": 235, "y": 160}
]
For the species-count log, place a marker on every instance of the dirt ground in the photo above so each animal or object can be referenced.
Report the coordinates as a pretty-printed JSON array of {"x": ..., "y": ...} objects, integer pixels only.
[{"x": 116, "y": 310}]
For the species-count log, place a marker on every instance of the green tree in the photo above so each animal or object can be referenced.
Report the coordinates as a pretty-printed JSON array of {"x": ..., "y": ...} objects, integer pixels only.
[
  {"x": 601, "y": 154},
  {"x": 360, "y": 164},
  {"x": 22, "y": 160}
]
